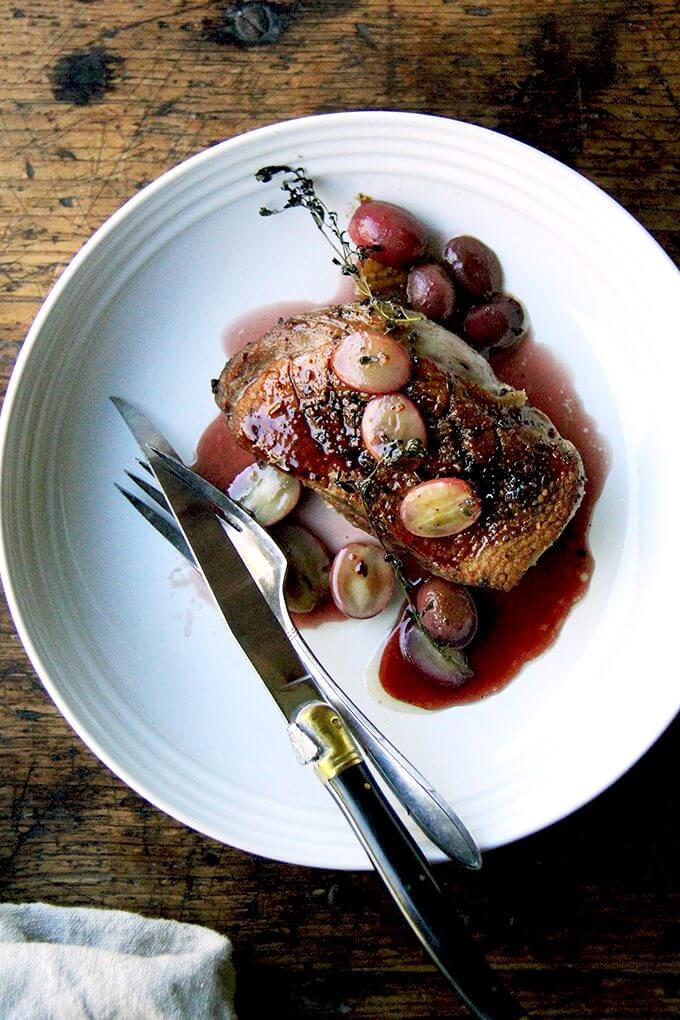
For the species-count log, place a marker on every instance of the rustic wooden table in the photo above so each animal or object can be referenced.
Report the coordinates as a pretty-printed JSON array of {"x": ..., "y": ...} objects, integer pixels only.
[{"x": 97, "y": 97}]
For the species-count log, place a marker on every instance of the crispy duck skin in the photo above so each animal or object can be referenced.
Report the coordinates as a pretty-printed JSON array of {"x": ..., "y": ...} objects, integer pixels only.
[{"x": 285, "y": 404}]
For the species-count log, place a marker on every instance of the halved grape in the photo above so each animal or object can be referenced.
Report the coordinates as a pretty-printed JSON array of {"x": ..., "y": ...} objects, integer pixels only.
[
  {"x": 372, "y": 362},
  {"x": 388, "y": 418},
  {"x": 439, "y": 508},
  {"x": 266, "y": 492},
  {"x": 307, "y": 581},
  {"x": 399, "y": 237},
  {"x": 474, "y": 266},
  {"x": 429, "y": 290},
  {"x": 447, "y": 611},
  {"x": 362, "y": 581},
  {"x": 441, "y": 663},
  {"x": 499, "y": 323}
]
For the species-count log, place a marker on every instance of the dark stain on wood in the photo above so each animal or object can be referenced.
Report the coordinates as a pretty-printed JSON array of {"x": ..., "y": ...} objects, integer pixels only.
[
  {"x": 84, "y": 76},
  {"x": 165, "y": 108},
  {"x": 247, "y": 24},
  {"x": 364, "y": 33},
  {"x": 573, "y": 63},
  {"x": 28, "y": 713}
]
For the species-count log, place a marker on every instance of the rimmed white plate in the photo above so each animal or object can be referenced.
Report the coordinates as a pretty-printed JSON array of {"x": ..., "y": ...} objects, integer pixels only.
[{"x": 144, "y": 670}]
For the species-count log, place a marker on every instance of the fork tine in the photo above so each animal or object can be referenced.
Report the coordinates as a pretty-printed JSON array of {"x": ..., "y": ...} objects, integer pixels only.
[
  {"x": 163, "y": 526},
  {"x": 152, "y": 492},
  {"x": 254, "y": 541},
  {"x": 230, "y": 510}
]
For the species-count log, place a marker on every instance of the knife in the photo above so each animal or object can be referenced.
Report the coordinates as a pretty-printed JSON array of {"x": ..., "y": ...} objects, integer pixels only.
[
  {"x": 427, "y": 807},
  {"x": 320, "y": 736}
]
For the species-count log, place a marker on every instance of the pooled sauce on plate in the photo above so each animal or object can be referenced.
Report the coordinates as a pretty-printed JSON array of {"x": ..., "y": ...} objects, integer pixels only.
[
  {"x": 219, "y": 458},
  {"x": 259, "y": 321},
  {"x": 516, "y": 626}
]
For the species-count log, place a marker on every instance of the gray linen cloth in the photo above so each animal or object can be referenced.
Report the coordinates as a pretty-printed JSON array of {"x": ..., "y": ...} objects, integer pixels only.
[{"x": 68, "y": 963}]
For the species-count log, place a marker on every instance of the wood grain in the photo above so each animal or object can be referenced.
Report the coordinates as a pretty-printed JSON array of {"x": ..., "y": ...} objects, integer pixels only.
[{"x": 96, "y": 99}]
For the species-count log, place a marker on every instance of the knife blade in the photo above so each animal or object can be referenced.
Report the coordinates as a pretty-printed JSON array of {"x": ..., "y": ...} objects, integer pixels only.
[{"x": 239, "y": 601}]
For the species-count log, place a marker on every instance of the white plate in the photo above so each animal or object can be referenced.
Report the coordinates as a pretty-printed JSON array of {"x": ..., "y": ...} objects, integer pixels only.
[{"x": 146, "y": 672}]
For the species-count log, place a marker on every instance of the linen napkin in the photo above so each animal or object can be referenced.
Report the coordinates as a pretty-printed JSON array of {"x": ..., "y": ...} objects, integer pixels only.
[{"x": 68, "y": 963}]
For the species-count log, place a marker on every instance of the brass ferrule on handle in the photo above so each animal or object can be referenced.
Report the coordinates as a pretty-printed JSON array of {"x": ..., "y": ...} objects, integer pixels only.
[{"x": 335, "y": 748}]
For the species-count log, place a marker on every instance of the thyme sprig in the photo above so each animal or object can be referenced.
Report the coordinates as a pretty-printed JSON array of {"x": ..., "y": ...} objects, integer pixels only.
[{"x": 301, "y": 193}]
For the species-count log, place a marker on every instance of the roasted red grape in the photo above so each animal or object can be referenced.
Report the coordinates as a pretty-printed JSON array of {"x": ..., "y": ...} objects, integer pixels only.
[
  {"x": 442, "y": 663},
  {"x": 429, "y": 290},
  {"x": 308, "y": 567},
  {"x": 371, "y": 362},
  {"x": 499, "y": 323},
  {"x": 400, "y": 239},
  {"x": 362, "y": 581},
  {"x": 391, "y": 417},
  {"x": 439, "y": 508},
  {"x": 447, "y": 612},
  {"x": 474, "y": 266},
  {"x": 269, "y": 494}
]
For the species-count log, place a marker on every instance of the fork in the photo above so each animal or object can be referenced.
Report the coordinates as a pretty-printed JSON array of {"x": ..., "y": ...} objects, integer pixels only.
[{"x": 256, "y": 547}]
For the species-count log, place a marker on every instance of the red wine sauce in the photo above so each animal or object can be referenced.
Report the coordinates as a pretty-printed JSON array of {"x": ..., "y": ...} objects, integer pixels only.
[
  {"x": 516, "y": 626},
  {"x": 259, "y": 321},
  {"x": 256, "y": 323}
]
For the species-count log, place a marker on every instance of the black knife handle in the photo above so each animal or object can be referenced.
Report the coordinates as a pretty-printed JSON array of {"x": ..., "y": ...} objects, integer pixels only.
[{"x": 404, "y": 870}]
